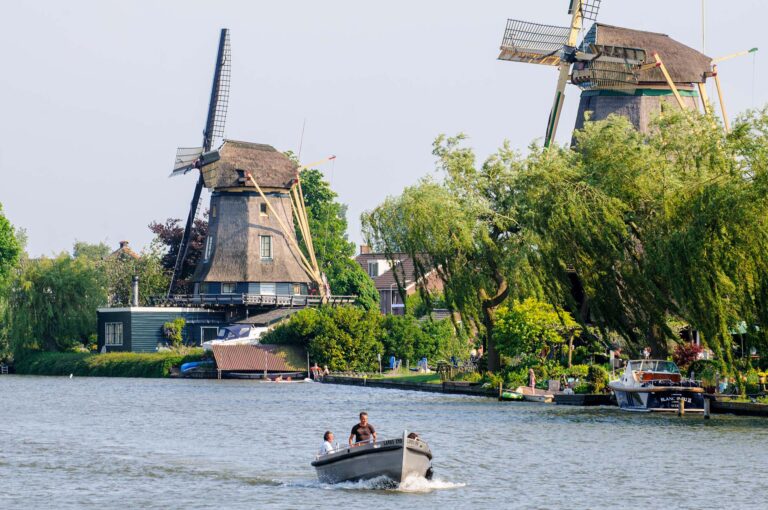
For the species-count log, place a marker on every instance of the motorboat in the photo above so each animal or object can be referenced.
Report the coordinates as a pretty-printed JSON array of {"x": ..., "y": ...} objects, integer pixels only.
[
  {"x": 393, "y": 459},
  {"x": 235, "y": 334},
  {"x": 656, "y": 385}
]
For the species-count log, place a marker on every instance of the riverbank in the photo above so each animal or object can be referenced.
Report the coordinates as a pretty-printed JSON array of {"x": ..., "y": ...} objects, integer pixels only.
[{"x": 455, "y": 388}]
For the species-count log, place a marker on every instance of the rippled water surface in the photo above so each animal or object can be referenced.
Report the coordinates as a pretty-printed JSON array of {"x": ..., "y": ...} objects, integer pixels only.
[{"x": 151, "y": 443}]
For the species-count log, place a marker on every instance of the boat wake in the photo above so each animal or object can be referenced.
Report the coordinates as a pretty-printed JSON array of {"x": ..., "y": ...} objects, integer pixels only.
[{"x": 415, "y": 484}]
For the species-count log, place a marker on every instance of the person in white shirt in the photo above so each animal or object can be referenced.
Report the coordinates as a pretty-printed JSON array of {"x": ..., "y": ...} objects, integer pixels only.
[{"x": 327, "y": 444}]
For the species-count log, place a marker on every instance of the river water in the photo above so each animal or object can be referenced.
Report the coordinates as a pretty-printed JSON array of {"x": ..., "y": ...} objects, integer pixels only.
[{"x": 158, "y": 443}]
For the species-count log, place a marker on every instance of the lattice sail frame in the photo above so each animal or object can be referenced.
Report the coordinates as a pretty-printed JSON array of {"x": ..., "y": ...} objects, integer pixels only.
[{"x": 533, "y": 43}]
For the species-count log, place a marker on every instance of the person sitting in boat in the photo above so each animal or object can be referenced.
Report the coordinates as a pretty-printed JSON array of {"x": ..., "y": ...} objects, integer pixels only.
[
  {"x": 327, "y": 444},
  {"x": 363, "y": 432}
]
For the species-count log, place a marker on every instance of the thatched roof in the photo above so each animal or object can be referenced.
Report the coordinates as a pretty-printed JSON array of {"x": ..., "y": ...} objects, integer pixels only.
[
  {"x": 236, "y": 224},
  {"x": 269, "y": 167},
  {"x": 685, "y": 64}
]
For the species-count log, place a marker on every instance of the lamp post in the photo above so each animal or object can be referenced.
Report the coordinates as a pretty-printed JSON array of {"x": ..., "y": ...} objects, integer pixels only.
[{"x": 391, "y": 297}]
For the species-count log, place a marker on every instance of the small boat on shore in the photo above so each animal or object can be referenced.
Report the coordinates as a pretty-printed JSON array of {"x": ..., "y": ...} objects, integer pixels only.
[
  {"x": 395, "y": 459},
  {"x": 656, "y": 385},
  {"x": 535, "y": 394}
]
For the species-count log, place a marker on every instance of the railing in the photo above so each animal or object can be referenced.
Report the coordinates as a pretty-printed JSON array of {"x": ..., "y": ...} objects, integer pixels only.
[{"x": 299, "y": 301}]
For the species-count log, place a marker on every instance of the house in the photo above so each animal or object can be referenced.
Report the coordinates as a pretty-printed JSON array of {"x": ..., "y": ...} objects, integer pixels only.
[{"x": 382, "y": 271}]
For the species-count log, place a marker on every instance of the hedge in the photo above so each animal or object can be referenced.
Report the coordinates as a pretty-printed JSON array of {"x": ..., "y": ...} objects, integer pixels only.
[{"x": 113, "y": 364}]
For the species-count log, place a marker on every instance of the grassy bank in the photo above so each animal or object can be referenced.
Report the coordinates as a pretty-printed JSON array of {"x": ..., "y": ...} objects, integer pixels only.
[{"x": 114, "y": 364}]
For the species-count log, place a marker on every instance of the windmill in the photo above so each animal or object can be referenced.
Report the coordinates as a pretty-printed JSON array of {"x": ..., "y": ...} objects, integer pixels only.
[
  {"x": 251, "y": 254},
  {"x": 619, "y": 70},
  {"x": 189, "y": 159}
]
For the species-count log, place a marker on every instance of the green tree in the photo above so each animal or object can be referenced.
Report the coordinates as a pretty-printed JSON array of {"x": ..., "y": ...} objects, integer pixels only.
[
  {"x": 465, "y": 228},
  {"x": 328, "y": 225},
  {"x": 343, "y": 337},
  {"x": 532, "y": 327},
  {"x": 11, "y": 247},
  {"x": 52, "y": 303}
]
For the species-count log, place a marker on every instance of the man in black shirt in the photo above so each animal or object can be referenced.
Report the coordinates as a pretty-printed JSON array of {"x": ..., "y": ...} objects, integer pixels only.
[{"x": 362, "y": 432}]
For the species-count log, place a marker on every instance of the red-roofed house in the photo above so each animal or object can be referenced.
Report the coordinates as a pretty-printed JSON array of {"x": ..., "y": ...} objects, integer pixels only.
[{"x": 382, "y": 271}]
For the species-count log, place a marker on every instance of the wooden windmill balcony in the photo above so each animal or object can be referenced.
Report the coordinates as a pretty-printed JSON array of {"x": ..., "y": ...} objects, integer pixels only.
[{"x": 228, "y": 300}]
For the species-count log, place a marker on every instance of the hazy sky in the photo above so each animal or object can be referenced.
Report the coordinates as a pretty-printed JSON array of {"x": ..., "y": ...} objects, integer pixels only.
[{"x": 96, "y": 96}]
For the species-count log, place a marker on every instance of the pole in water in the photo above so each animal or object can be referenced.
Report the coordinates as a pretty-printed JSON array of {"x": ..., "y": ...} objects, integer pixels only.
[
  {"x": 681, "y": 406},
  {"x": 707, "y": 408}
]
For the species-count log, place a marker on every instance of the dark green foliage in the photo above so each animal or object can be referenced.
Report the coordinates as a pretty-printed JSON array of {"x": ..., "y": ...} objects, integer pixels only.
[
  {"x": 598, "y": 378},
  {"x": 10, "y": 248},
  {"x": 347, "y": 278},
  {"x": 344, "y": 337},
  {"x": 328, "y": 226},
  {"x": 52, "y": 303},
  {"x": 400, "y": 336},
  {"x": 114, "y": 364}
]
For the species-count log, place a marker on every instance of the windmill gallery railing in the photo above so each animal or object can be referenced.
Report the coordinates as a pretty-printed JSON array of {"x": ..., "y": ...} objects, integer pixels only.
[{"x": 297, "y": 301}]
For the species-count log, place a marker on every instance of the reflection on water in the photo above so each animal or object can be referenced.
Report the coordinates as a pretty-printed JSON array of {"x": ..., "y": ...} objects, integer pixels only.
[{"x": 91, "y": 442}]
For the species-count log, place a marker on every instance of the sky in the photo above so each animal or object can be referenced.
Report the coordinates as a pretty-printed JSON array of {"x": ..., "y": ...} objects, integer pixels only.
[{"x": 95, "y": 96}]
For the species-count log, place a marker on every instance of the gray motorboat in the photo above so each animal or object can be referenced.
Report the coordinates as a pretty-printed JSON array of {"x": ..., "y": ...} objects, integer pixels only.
[{"x": 395, "y": 459}]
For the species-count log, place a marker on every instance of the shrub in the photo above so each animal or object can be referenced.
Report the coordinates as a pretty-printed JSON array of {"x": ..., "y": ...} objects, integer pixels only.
[
  {"x": 685, "y": 354},
  {"x": 752, "y": 382},
  {"x": 173, "y": 331},
  {"x": 597, "y": 377}
]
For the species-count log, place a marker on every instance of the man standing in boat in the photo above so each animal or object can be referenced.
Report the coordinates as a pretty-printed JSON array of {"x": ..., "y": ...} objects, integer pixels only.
[{"x": 363, "y": 432}]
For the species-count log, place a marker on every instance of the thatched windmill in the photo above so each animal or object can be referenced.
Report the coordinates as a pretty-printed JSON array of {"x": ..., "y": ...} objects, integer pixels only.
[
  {"x": 620, "y": 70},
  {"x": 251, "y": 255}
]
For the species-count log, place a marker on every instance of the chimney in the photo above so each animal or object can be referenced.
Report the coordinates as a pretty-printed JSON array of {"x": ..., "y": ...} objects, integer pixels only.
[
  {"x": 134, "y": 288},
  {"x": 123, "y": 244},
  {"x": 365, "y": 249}
]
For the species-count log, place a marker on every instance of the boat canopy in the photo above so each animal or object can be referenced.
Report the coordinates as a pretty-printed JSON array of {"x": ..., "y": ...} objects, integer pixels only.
[
  {"x": 653, "y": 365},
  {"x": 234, "y": 331}
]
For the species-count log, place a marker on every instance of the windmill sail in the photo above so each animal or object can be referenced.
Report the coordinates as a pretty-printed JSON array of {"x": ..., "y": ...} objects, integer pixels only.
[
  {"x": 533, "y": 43},
  {"x": 185, "y": 160},
  {"x": 214, "y": 130}
]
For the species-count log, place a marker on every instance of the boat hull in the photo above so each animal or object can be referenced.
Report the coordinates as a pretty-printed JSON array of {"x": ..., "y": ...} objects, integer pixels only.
[
  {"x": 388, "y": 459},
  {"x": 662, "y": 400}
]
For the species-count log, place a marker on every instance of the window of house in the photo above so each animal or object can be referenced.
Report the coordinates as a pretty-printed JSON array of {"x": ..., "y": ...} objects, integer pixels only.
[
  {"x": 268, "y": 289},
  {"x": 266, "y": 247},
  {"x": 228, "y": 288},
  {"x": 113, "y": 333},
  {"x": 296, "y": 289},
  {"x": 208, "y": 333},
  {"x": 208, "y": 248},
  {"x": 263, "y": 209},
  {"x": 373, "y": 269}
]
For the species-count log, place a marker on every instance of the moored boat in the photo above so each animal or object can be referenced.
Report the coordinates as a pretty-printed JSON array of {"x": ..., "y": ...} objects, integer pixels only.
[
  {"x": 395, "y": 459},
  {"x": 656, "y": 385},
  {"x": 535, "y": 394}
]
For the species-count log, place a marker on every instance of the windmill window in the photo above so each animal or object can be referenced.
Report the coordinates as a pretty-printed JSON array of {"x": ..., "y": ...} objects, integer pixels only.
[
  {"x": 263, "y": 209},
  {"x": 227, "y": 288},
  {"x": 208, "y": 248},
  {"x": 113, "y": 333},
  {"x": 265, "y": 247},
  {"x": 297, "y": 289},
  {"x": 213, "y": 211}
]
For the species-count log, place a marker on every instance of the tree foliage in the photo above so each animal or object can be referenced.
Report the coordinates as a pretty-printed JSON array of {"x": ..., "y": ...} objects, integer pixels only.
[
  {"x": 328, "y": 226},
  {"x": 532, "y": 327},
  {"x": 168, "y": 240},
  {"x": 52, "y": 303}
]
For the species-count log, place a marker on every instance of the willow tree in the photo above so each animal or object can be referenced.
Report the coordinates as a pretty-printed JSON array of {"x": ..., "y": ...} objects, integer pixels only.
[
  {"x": 464, "y": 228},
  {"x": 673, "y": 221}
]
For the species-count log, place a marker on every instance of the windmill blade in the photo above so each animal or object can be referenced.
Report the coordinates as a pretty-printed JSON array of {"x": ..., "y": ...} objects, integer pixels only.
[
  {"x": 214, "y": 129},
  {"x": 588, "y": 8},
  {"x": 217, "y": 107},
  {"x": 608, "y": 67},
  {"x": 185, "y": 160},
  {"x": 533, "y": 43}
]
